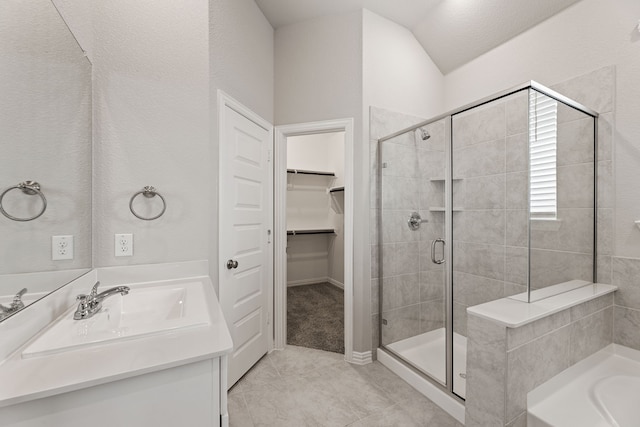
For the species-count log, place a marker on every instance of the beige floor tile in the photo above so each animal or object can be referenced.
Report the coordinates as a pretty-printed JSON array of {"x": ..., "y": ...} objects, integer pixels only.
[
  {"x": 299, "y": 360},
  {"x": 239, "y": 415},
  {"x": 394, "y": 416},
  {"x": 305, "y": 387}
]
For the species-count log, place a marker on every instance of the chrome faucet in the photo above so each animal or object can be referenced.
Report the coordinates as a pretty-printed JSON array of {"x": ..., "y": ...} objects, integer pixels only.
[
  {"x": 15, "y": 305},
  {"x": 92, "y": 303}
]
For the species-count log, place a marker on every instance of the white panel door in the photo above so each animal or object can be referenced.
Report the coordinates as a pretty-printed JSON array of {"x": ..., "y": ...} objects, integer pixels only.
[{"x": 246, "y": 217}]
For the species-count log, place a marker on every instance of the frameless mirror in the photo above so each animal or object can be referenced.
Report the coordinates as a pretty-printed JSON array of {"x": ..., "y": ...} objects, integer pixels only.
[{"x": 45, "y": 134}]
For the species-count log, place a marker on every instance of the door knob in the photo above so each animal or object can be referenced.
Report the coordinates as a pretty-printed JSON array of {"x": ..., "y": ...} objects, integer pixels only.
[{"x": 232, "y": 264}]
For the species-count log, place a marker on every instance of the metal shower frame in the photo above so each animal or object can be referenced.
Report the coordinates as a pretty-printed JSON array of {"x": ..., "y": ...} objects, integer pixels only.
[{"x": 448, "y": 386}]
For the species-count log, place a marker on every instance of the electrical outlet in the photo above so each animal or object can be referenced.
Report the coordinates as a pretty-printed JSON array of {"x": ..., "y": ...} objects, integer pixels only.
[
  {"x": 61, "y": 247},
  {"x": 124, "y": 244}
]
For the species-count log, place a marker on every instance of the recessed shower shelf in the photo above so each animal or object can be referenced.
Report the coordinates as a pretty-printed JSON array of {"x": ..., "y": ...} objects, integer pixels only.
[
  {"x": 442, "y": 179},
  {"x": 441, "y": 209}
]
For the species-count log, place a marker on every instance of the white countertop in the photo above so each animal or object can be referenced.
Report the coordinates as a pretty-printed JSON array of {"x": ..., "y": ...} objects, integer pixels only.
[
  {"x": 33, "y": 378},
  {"x": 513, "y": 313}
]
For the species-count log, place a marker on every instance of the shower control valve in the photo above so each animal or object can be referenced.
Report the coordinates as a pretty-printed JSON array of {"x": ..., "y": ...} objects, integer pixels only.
[{"x": 415, "y": 220}]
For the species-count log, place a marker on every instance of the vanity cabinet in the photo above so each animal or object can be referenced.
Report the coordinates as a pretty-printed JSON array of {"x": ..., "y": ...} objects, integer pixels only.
[
  {"x": 119, "y": 372},
  {"x": 186, "y": 395}
]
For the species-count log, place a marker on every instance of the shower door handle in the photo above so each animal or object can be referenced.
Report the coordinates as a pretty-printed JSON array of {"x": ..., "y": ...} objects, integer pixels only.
[{"x": 433, "y": 251}]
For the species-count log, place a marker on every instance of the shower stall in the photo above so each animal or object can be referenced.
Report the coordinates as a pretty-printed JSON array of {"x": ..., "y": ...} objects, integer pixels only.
[{"x": 493, "y": 200}]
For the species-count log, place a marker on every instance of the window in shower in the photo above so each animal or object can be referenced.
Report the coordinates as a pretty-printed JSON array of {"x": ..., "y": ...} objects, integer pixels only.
[{"x": 543, "y": 134}]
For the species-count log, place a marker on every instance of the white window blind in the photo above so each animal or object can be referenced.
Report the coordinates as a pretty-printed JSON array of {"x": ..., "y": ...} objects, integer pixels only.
[{"x": 543, "y": 132}]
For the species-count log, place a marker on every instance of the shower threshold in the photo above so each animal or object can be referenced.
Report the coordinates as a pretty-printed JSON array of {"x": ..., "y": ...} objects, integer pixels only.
[{"x": 427, "y": 353}]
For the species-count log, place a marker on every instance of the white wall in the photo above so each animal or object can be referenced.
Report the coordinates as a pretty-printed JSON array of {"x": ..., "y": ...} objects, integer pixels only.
[
  {"x": 241, "y": 50},
  {"x": 151, "y": 126},
  {"x": 45, "y": 131},
  {"x": 398, "y": 75},
  {"x": 318, "y": 70},
  {"x": 318, "y": 76},
  {"x": 77, "y": 16},
  {"x": 588, "y": 35},
  {"x": 309, "y": 152},
  {"x": 338, "y": 66}
]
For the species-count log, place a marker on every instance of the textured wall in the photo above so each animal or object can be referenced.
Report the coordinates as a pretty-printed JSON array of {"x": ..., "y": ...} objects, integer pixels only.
[
  {"x": 318, "y": 69},
  {"x": 151, "y": 86},
  {"x": 45, "y": 126}
]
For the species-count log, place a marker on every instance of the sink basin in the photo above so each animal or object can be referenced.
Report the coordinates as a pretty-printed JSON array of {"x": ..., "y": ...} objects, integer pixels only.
[{"x": 147, "y": 310}]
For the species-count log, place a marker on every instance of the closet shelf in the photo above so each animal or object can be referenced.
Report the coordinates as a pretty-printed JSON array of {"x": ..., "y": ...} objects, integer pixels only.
[
  {"x": 311, "y": 231},
  {"x": 309, "y": 172},
  {"x": 336, "y": 189}
]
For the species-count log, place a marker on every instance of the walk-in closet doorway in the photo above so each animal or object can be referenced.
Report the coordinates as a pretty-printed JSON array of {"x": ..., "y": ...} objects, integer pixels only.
[{"x": 313, "y": 236}]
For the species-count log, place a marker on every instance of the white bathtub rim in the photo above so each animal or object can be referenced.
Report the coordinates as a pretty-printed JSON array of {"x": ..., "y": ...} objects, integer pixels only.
[{"x": 540, "y": 404}]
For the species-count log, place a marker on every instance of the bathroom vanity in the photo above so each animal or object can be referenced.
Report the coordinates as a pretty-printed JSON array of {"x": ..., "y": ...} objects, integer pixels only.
[{"x": 157, "y": 359}]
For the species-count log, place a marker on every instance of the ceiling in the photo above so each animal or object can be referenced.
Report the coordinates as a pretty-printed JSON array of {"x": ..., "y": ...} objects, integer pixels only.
[{"x": 452, "y": 32}]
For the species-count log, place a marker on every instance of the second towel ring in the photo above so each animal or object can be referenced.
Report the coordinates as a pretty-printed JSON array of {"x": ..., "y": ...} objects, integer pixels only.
[
  {"x": 148, "y": 192},
  {"x": 30, "y": 188}
]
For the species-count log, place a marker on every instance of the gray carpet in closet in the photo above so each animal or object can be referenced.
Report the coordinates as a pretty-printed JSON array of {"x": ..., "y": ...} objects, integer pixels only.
[{"x": 315, "y": 317}]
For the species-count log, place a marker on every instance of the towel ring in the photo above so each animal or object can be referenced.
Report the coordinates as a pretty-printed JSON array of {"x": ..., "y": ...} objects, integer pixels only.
[
  {"x": 148, "y": 192},
  {"x": 30, "y": 188}
]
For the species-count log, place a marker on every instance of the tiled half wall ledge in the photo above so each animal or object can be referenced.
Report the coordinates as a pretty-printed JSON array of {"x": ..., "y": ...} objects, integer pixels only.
[{"x": 514, "y": 346}]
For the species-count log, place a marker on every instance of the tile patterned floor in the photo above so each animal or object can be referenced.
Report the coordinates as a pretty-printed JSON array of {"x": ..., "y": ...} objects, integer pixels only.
[{"x": 304, "y": 387}]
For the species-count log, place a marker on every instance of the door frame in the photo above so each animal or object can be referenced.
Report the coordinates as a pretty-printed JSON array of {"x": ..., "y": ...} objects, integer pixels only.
[
  {"x": 280, "y": 224},
  {"x": 224, "y": 101}
]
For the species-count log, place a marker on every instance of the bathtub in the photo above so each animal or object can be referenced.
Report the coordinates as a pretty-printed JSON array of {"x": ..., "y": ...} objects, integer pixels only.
[{"x": 601, "y": 390}]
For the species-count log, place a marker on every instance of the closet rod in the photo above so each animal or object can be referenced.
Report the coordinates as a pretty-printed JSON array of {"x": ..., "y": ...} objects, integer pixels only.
[
  {"x": 299, "y": 232},
  {"x": 308, "y": 172}
]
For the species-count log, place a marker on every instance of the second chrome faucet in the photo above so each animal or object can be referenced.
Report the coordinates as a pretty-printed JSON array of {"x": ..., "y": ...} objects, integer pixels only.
[{"x": 91, "y": 304}]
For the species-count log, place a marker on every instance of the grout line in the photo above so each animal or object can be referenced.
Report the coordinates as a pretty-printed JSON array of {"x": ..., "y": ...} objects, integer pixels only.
[{"x": 560, "y": 327}]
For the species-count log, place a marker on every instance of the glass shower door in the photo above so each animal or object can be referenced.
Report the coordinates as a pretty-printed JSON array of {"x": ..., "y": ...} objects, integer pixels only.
[
  {"x": 490, "y": 227},
  {"x": 413, "y": 248}
]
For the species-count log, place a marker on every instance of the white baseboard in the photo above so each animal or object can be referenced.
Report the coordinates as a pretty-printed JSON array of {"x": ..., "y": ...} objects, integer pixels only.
[
  {"x": 316, "y": 280},
  {"x": 452, "y": 406},
  {"x": 307, "y": 281},
  {"x": 361, "y": 358},
  {"x": 335, "y": 283}
]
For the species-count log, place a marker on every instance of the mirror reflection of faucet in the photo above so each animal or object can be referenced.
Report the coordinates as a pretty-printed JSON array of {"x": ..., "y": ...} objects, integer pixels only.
[
  {"x": 15, "y": 305},
  {"x": 91, "y": 304}
]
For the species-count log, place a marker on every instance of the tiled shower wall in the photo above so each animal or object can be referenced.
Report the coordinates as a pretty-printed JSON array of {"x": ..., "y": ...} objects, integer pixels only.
[
  {"x": 596, "y": 90},
  {"x": 504, "y": 364},
  {"x": 490, "y": 220},
  {"x": 490, "y": 204},
  {"x": 410, "y": 181}
]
